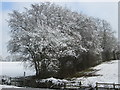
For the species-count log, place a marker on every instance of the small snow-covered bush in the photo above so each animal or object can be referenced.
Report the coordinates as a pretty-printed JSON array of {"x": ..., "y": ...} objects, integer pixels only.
[{"x": 51, "y": 82}]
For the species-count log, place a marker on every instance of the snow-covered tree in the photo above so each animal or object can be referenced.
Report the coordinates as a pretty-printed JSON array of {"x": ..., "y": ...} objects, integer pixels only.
[
  {"x": 52, "y": 38},
  {"x": 107, "y": 39},
  {"x": 41, "y": 34}
]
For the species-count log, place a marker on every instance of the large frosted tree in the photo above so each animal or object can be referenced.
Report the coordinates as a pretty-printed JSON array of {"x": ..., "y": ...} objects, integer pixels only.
[
  {"x": 55, "y": 39},
  {"x": 42, "y": 34}
]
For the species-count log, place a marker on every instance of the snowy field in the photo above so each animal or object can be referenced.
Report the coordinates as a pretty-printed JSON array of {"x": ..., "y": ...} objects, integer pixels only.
[
  {"x": 14, "y": 69},
  {"x": 108, "y": 72}
]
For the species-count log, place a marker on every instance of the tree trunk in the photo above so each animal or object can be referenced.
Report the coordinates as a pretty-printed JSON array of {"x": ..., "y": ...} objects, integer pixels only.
[{"x": 36, "y": 69}]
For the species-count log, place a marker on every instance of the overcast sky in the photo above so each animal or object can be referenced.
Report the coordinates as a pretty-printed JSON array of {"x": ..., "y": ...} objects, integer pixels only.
[{"x": 103, "y": 10}]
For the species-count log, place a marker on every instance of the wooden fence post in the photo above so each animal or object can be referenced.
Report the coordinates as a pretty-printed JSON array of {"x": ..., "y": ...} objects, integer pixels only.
[
  {"x": 10, "y": 80},
  {"x": 96, "y": 86},
  {"x": 15, "y": 81},
  {"x": 64, "y": 85},
  {"x": 113, "y": 86},
  {"x": 80, "y": 84},
  {"x": 24, "y": 79}
]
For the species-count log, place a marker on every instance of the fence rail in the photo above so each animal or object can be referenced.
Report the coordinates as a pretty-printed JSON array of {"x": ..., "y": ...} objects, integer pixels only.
[
  {"x": 107, "y": 86},
  {"x": 17, "y": 81},
  {"x": 99, "y": 86},
  {"x": 72, "y": 85},
  {"x": 69, "y": 85},
  {"x": 13, "y": 81}
]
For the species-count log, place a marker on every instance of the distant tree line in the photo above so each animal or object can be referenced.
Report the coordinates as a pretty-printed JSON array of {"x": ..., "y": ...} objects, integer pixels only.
[{"x": 59, "y": 42}]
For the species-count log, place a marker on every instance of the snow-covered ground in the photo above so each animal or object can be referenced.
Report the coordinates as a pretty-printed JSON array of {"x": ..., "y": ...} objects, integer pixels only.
[
  {"x": 7, "y": 86},
  {"x": 14, "y": 69},
  {"x": 108, "y": 74}
]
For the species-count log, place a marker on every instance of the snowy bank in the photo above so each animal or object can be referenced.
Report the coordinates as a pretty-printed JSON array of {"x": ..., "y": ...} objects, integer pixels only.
[{"x": 108, "y": 72}]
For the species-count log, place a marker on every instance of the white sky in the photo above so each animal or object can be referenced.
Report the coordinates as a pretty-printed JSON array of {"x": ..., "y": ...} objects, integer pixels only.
[{"x": 102, "y": 10}]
